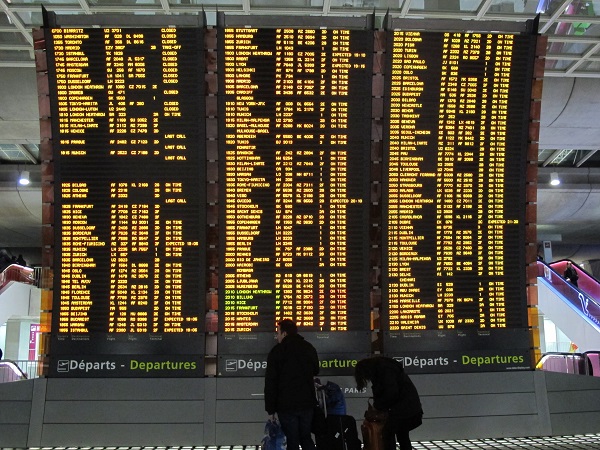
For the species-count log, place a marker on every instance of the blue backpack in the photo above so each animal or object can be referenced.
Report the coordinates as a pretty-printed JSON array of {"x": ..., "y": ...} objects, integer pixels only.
[{"x": 334, "y": 398}]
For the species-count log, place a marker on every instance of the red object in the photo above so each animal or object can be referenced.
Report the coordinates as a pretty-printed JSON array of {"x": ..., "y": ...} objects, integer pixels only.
[
  {"x": 15, "y": 272},
  {"x": 34, "y": 332}
]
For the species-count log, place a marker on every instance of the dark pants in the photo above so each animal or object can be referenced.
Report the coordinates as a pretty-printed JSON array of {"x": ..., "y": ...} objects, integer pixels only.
[
  {"x": 398, "y": 429},
  {"x": 296, "y": 427}
]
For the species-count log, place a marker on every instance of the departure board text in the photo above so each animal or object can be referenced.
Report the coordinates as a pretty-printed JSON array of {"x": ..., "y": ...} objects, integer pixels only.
[
  {"x": 454, "y": 230},
  {"x": 295, "y": 190},
  {"x": 130, "y": 218}
]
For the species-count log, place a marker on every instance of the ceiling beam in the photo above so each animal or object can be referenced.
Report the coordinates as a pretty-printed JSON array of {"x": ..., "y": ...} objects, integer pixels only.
[
  {"x": 555, "y": 154},
  {"x": 84, "y": 6},
  {"x": 587, "y": 156},
  {"x": 578, "y": 63},
  {"x": 16, "y": 21},
  {"x": 483, "y": 9},
  {"x": 555, "y": 15},
  {"x": 405, "y": 8}
]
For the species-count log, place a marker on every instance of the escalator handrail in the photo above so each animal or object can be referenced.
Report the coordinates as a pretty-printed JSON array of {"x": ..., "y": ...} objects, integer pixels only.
[
  {"x": 14, "y": 367},
  {"x": 25, "y": 275},
  {"x": 585, "y": 356}
]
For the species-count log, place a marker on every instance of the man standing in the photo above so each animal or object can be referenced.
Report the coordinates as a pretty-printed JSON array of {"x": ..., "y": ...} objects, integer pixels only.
[
  {"x": 289, "y": 387},
  {"x": 571, "y": 274}
]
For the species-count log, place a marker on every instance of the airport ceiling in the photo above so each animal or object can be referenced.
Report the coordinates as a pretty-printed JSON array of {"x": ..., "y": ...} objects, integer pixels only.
[{"x": 568, "y": 214}]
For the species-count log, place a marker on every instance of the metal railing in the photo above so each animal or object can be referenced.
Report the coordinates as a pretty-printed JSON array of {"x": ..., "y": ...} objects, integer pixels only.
[
  {"x": 16, "y": 370},
  {"x": 587, "y": 363},
  {"x": 15, "y": 272}
]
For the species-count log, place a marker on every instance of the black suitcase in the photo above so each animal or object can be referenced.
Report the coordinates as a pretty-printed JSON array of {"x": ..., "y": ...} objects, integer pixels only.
[{"x": 340, "y": 434}]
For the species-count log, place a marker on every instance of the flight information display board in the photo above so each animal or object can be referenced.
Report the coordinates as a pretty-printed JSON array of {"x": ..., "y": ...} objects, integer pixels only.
[
  {"x": 128, "y": 140},
  {"x": 454, "y": 196},
  {"x": 294, "y": 190},
  {"x": 367, "y": 184}
]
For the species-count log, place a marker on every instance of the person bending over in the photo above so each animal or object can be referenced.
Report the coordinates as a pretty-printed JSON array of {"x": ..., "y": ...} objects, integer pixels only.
[{"x": 394, "y": 392}]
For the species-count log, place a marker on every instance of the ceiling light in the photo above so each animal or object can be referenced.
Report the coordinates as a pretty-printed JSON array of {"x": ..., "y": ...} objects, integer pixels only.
[
  {"x": 24, "y": 178},
  {"x": 554, "y": 180}
]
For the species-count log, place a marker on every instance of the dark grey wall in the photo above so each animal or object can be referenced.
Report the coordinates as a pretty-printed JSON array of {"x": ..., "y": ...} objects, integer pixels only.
[{"x": 229, "y": 411}]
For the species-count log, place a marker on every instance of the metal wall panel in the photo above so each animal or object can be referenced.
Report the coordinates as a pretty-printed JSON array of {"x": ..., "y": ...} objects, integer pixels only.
[
  {"x": 13, "y": 435},
  {"x": 480, "y": 405},
  {"x": 125, "y": 389},
  {"x": 161, "y": 411},
  {"x": 164, "y": 434},
  {"x": 23, "y": 390},
  {"x": 15, "y": 412},
  {"x": 476, "y": 427},
  {"x": 230, "y": 411}
]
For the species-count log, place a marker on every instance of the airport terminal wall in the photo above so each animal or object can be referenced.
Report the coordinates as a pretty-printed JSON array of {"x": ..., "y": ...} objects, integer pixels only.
[{"x": 230, "y": 411}]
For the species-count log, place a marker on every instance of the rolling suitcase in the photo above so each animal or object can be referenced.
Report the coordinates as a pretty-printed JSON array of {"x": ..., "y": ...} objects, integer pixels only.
[{"x": 340, "y": 434}]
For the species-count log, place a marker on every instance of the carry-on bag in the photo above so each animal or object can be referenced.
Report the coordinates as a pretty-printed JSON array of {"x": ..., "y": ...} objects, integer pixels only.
[
  {"x": 340, "y": 434},
  {"x": 274, "y": 438},
  {"x": 319, "y": 425},
  {"x": 372, "y": 428}
]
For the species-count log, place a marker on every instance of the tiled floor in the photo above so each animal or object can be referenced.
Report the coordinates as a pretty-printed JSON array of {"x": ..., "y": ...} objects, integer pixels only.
[{"x": 578, "y": 442}]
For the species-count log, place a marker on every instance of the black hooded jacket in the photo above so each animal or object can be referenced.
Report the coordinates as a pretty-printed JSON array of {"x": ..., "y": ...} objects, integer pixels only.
[
  {"x": 393, "y": 390},
  {"x": 291, "y": 366}
]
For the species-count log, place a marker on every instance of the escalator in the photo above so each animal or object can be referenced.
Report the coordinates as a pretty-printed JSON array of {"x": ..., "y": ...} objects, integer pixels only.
[
  {"x": 19, "y": 297},
  {"x": 575, "y": 311},
  {"x": 586, "y": 283},
  {"x": 10, "y": 371},
  {"x": 587, "y": 363}
]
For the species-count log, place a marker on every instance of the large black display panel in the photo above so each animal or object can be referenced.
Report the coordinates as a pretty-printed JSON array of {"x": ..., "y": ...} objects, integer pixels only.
[
  {"x": 454, "y": 195},
  {"x": 295, "y": 127},
  {"x": 128, "y": 139}
]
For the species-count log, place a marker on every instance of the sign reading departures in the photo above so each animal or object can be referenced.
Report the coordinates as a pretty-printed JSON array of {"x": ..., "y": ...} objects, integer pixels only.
[{"x": 298, "y": 223}]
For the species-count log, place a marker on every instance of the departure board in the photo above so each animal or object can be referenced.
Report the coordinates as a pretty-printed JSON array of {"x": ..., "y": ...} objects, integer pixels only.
[
  {"x": 295, "y": 126},
  {"x": 367, "y": 184},
  {"x": 128, "y": 140},
  {"x": 454, "y": 241}
]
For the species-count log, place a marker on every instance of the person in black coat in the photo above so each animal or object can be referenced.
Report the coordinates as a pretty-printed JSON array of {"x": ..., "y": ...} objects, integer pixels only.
[
  {"x": 289, "y": 385},
  {"x": 394, "y": 392},
  {"x": 21, "y": 261},
  {"x": 571, "y": 274},
  {"x": 4, "y": 260}
]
